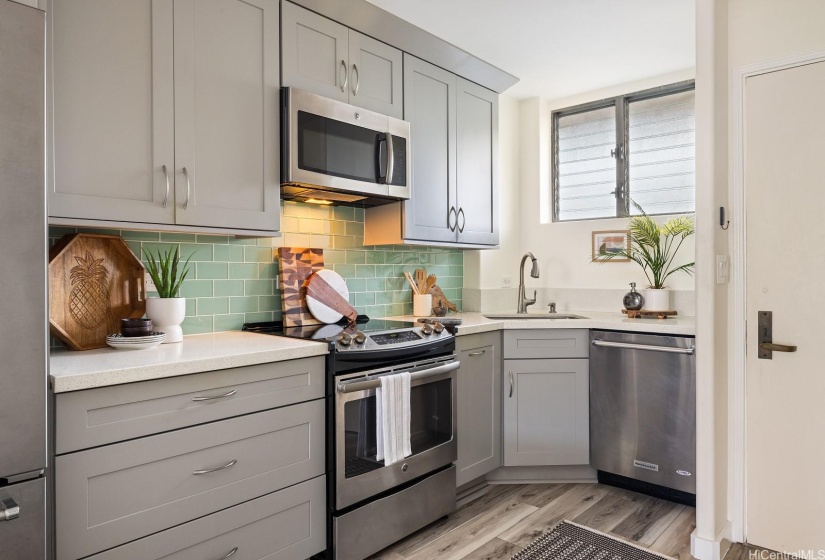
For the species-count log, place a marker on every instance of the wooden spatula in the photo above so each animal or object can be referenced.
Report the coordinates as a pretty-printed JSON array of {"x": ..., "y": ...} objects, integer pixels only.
[
  {"x": 421, "y": 280},
  {"x": 431, "y": 280}
]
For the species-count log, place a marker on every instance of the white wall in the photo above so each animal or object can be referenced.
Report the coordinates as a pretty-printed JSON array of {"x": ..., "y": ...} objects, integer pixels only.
[{"x": 564, "y": 248}]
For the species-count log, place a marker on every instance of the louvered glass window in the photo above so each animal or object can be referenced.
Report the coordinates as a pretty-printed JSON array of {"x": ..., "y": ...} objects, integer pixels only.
[{"x": 637, "y": 148}]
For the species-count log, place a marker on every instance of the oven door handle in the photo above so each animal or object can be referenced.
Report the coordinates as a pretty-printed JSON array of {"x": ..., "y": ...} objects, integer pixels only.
[{"x": 373, "y": 382}]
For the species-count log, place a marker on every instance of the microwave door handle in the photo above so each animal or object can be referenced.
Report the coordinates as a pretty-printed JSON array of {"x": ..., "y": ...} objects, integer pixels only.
[
  {"x": 381, "y": 178},
  {"x": 390, "y": 159}
]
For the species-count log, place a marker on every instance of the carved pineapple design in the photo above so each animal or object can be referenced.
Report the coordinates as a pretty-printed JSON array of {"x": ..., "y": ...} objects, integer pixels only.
[{"x": 89, "y": 298}]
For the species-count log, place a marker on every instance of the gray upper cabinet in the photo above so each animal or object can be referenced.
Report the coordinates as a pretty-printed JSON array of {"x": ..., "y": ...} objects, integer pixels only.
[
  {"x": 148, "y": 88},
  {"x": 479, "y": 406},
  {"x": 546, "y": 412},
  {"x": 430, "y": 108},
  {"x": 111, "y": 110},
  {"x": 226, "y": 113},
  {"x": 327, "y": 58},
  {"x": 476, "y": 164}
]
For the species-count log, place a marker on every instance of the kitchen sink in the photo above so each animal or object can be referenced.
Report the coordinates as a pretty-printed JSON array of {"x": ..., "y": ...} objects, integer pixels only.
[{"x": 533, "y": 316}]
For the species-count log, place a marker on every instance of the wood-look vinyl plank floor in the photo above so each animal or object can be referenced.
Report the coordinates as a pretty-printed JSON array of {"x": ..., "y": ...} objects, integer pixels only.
[{"x": 507, "y": 518}]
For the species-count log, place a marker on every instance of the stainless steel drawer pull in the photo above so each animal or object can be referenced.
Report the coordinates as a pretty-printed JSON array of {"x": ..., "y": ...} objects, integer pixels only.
[
  {"x": 373, "y": 381},
  {"x": 477, "y": 353},
  {"x": 690, "y": 350},
  {"x": 166, "y": 196},
  {"x": 201, "y": 399},
  {"x": 207, "y": 471},
  {"x": 188, "y": 185},
  {"x": 228, "y": 554},
  {"x": 9, "y": 509},
  {"x": 346, "y": 75},
  {"x": 512, "y": 383}
]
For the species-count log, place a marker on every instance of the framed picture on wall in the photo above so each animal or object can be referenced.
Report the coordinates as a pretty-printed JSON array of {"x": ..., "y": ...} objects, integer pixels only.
[{"x": 607, "y": 243}]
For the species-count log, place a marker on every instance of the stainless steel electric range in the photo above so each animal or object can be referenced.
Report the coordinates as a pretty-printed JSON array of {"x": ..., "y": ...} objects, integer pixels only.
[{"x": 370, "y": 504}]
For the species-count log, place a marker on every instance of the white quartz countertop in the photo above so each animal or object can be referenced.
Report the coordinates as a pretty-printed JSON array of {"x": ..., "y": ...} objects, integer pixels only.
[
  {"x": 473, "y": 323},
  {"x": 74, "y": 371}
]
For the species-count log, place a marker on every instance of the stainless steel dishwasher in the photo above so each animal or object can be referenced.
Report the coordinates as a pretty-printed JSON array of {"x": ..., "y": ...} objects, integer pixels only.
[{"x": 643, "y": 412}]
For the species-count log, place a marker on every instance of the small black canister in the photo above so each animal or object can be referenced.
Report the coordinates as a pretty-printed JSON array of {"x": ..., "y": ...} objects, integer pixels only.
[{"x": 633, "y": 300}]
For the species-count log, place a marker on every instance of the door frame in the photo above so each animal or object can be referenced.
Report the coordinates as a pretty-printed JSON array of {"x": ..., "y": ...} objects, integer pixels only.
[{"x": 738, "y": 396}]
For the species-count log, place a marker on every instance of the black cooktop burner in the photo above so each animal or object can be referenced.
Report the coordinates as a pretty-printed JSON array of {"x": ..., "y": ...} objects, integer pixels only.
[{"x": 328, "y": 332}]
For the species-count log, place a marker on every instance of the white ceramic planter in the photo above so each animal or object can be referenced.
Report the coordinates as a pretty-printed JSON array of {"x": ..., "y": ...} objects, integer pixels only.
[
  {"x": 166, "y": 315},
  {"x": 656, "y": 300},
  {"x": 422, "y": 305}
]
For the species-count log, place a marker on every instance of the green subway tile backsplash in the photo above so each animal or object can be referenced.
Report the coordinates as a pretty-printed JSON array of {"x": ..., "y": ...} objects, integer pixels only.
[{"x": 233, "y": 281}]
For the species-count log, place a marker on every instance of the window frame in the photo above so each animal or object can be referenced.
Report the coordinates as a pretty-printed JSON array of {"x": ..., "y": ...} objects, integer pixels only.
[{"x": 622, "y": 104}]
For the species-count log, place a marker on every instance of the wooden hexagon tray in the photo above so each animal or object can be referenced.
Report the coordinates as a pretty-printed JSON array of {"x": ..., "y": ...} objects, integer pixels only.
[{"x": 94, "y": 282}]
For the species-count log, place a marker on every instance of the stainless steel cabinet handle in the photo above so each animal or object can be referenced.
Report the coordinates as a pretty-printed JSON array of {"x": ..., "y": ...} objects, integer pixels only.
[
  {"x": 166, "y": 196},
  {"x": 689, "y": 350},
  {"x": 186, "y": 202},
  {"x": 390, "y": 159},
  {"x": 201, "y": 399},
  {"x": 371, "y": 382},
  {"x": 346, "y": 75},
  {"x": 228, "y": 554},
  {"x": 449, "y": 220},
  {"x": 512, "y": 383},
  {"x": 356, "y": 76},
  {"x": 477, "y": 353},
  {"x": 207, "y": 471},
  {"x": 9, "y": 509},
  {"x": 463, "y": 220}
]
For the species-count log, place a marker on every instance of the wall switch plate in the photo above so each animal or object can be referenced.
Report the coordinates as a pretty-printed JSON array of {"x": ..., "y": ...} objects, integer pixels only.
[
  {"x": 506, "y": 281},
  {"x": 148, "y": 284},
  {"x": 722, "y": 269}
]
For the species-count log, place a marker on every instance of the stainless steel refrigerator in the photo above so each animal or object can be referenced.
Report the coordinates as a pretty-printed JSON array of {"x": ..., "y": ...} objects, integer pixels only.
[{"x": 23, "y": 249}]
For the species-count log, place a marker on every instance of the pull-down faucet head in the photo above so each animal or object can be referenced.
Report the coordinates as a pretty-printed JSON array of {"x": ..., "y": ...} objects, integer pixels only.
[{"x": 534, "y": 271}]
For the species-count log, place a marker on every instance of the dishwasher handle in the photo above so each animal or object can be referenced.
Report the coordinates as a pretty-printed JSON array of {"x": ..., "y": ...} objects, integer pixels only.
[{"x": 690, "y": 350}]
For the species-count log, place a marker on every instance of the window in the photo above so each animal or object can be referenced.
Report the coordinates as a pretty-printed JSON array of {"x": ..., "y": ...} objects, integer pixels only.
[{"x": 637, "y": 147}]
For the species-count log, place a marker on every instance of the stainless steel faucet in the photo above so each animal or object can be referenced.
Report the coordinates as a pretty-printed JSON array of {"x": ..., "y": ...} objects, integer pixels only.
[{"x": 523, "y": 302}]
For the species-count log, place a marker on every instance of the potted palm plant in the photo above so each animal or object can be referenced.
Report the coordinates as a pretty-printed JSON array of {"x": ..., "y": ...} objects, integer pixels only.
[
  {"x": 168, "y": 310},
  {"x": 654, "y": 248}
]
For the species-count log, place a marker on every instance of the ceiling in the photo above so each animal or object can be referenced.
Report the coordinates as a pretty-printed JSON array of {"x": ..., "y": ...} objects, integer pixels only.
[{"x": 560, "y": 48}]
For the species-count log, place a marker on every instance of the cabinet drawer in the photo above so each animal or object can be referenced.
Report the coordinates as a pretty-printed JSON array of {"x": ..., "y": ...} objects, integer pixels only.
[
  {"x": 539, "y": 343},
  {"x": 97, "y": 417},
  {"x": 110, "y": 495},
  {"x": 283, "y": 525}
]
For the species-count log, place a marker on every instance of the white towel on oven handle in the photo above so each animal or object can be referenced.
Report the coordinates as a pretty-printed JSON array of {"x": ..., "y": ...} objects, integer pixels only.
[{"x": 393, "y": 418}]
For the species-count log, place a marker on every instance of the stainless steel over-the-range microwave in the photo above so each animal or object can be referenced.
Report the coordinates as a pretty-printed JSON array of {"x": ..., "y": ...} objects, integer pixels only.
[{"x": 335, "y": 153}]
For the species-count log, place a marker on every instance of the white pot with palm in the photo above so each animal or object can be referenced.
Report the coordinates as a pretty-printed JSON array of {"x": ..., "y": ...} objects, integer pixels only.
[
  {"x": 168, "y": 310},
  {"x": 654, "y": 248}
]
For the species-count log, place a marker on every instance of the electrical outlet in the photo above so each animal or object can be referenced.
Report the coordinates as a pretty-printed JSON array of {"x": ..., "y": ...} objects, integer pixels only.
[
  {"x": 506, "y": 281},
  {"x": 148, "y": 284},
  {"x": 722, "y": 269}
]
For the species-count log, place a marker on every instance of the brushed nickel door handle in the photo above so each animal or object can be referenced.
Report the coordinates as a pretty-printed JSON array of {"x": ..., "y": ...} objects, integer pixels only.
[
  {"x": 765, "y": 337},
  {"x": 228, "y": 554},
  {"x": 166, "y": 196},
  {"x": 186, "y": 202},
  {"x": 477, "y": 353},
  {"x": 771, "y": 347},
  {"x": 449, "y": 218},
  {"x": 207, "y": 471},
  {"x": 356, "y": 77},
  {"x": 463, "y": 220},
  {"x": 512, "y": 383},
  {"x": 346, "y": 75},
  {"x": 201, "y": 399}
]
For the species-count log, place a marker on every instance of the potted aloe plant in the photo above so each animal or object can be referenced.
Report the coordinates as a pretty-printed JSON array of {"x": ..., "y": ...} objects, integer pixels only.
[
  {"x": 168, "y": 310},
  {"x": 654, "y": 248}
]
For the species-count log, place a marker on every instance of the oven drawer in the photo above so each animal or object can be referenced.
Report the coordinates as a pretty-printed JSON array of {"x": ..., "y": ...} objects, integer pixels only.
[
  {"x": 111, "y": 495},
  {"x": 530, "y": 344},
  {"x": 287, "y": 524},
  {"x": 105, "y": 415}
]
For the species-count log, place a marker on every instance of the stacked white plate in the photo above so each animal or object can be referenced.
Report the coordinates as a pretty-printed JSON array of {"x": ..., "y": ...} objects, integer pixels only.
[{"x": 135, "y": 342}]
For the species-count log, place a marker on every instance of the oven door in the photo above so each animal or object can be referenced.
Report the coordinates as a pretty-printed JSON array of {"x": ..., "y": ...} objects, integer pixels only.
[
  {"x": 343, "y": 148},
  {"x": 358, "y": 474}
]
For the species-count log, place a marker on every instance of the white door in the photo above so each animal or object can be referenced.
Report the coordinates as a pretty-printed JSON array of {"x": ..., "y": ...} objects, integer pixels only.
[
  {"x": 785, "y": 204},
  {"x": 226, "y": 114}
]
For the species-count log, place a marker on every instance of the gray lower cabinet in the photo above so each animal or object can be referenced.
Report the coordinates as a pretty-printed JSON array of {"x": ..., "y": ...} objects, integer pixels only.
[
  {"x": 454, "y": 128},
  {"x": 96, "y": 417},
  {"x": 164, "y": 112},
  {"x": 479, "y": 406},
  {"x": 546, "y": 412},
  {"x": 327, "y": 58},
  {"x": 110, "y": 495},
  {"x": 285, "y": 525}
]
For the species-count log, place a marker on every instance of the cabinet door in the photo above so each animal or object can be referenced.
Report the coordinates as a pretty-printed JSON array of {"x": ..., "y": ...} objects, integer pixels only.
[
  {"x": 111, "y": 110},
  {"x": 376, "y": 75},
  {"x": 546, "y": 412},
  {"x": 315, "y": 54},
  {"x": 479, "y": 406},
  {"x": 226, "y": 113},
  {"x": 429, "y": 106},
  {"x": 477, "y": 163}
]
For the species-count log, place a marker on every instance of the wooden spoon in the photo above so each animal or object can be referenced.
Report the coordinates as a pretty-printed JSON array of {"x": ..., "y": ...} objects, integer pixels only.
[{"x": 431, "y": 280}]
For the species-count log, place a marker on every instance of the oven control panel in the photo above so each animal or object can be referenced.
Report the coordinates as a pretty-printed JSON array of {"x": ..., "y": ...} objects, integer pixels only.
[{"x": 396, "y": 338}]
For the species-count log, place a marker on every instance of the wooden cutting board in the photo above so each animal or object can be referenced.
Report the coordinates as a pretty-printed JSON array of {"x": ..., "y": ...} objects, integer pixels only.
[{"x": 94, "y": 282}]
